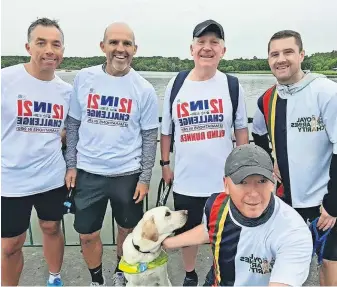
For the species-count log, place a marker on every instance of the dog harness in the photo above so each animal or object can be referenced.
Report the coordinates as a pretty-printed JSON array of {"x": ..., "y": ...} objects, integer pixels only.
[{"x": 143, "y": 266}]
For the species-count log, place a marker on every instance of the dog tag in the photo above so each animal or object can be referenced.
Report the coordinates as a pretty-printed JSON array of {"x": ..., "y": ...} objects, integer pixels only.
[{"x": 142, "y": 267}]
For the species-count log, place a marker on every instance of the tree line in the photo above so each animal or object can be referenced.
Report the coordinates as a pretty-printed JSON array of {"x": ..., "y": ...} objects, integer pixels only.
[{"x": 314, "y": 62}]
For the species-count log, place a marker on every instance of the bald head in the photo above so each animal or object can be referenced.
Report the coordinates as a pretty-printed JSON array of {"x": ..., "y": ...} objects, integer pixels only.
[{"x": 119, "y": 27}]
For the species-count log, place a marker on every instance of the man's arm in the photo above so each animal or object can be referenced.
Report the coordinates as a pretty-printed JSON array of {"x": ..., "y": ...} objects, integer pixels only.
[
  {"x": 73, "y": 123},
  {"x": 72, "y": 138},
  {"x": 149, "y": 123},
  {"x": 241, "y": 136},
  {"x": 241, "y": 120},
  {"x": 195, "y": 236},
  {"x": 166, "y": 131},
  {"x": 328, "y": 107},
  {"x": 149, "y": 150}
]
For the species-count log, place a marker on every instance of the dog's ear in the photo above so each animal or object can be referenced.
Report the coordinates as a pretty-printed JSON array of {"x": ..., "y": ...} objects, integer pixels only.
[{"x": 149, "y": 230}]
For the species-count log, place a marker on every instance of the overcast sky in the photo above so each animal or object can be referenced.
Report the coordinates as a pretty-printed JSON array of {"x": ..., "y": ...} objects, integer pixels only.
[{"x": 164, "y": 27}]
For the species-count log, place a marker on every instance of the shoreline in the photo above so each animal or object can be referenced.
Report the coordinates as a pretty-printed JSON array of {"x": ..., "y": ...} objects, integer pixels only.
[{"x": 329, "y": 74}]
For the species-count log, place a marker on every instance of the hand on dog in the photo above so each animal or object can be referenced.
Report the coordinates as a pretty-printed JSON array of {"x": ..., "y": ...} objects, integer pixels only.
[
  {"x": 71, "y": 177},
  {"x": 325, "y": 221},
  {"x": 142, "y": 189}
]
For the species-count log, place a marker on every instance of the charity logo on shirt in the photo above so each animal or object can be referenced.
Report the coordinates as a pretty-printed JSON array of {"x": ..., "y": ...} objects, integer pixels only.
[
  {"x": 309, "y": 124},
  {"x": 38, "y": 116},
  {"x": 259, "y": 265},
  {"x": 200, "y": 120},
  {"x": 108, "y": 110}
]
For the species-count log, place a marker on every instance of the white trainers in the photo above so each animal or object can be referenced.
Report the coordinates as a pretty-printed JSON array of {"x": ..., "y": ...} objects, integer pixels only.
[
  {"x": 97, "y": 284},
  {"x": 118, "y": 279}
]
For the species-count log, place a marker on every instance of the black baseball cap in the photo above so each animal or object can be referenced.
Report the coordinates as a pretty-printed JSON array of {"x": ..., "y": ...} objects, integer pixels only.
[
  {"x": 209, "y": 26},
  {"x": 246, "y": 160}
]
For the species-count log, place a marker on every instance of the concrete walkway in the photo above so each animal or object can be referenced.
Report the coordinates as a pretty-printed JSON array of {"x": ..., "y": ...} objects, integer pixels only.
[{"x": 75, "y": 272}]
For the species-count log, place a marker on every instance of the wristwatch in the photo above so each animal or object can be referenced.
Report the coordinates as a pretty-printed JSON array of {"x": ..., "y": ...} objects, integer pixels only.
[{"x": 162, "y": 163}]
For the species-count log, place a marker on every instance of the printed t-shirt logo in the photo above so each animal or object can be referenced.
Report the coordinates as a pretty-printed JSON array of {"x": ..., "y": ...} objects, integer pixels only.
[
  {"x": 200, "y": 120},
  {"x": 309, "y": 124},
  {"x": 259, "y": 265},
  {"x": 38, "y": 117},
  {"x": 108, "y": 110}
]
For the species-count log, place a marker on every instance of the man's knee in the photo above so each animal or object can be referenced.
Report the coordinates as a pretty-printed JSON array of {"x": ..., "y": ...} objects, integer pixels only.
[
  {"x": 12, "y": 246},
  {"x": 124, "y": 231},
  {"x": 87, "y": 239},
  {"x": 327, "y": 264},
  {"x": 50, "y": 227}
]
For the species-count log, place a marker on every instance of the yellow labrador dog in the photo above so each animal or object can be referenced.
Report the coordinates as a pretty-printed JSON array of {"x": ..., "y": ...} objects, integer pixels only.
[{"x": 144, "y": 262}]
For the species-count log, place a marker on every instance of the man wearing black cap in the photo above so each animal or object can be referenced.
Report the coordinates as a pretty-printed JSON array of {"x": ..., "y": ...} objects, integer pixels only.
[
  {"x": 256, "y": 238},
  {"x": 203, "y": 114}
]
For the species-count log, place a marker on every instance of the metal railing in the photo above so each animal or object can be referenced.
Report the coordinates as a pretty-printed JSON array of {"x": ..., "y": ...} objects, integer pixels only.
[{"x": 31, "y": 235}]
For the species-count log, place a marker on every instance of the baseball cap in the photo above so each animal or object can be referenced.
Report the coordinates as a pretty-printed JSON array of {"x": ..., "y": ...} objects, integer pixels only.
[
  {"x": 209, "y": 26},
  {"x": 246, "y": 160}
]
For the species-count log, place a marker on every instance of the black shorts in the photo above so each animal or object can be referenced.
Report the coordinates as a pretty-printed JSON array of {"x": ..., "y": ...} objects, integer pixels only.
[
  {"x": 16, "y": 211},
  {"x": 330, "y": 249},
  {"x": 91, "y": 199},
  {"x": 194, "y": 206}
]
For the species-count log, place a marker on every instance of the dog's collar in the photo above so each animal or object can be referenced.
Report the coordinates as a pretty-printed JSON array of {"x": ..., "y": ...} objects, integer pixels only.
[
  {"x": 143, "y": 266},
  {"x": 138, "y": 248}
]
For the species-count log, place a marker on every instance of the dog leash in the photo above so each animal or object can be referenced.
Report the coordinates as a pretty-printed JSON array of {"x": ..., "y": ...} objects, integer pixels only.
[
  {"x": 319, "y": 241},
  {"x": 163, "y": 192},
  {"x": 69, "y": 205}
]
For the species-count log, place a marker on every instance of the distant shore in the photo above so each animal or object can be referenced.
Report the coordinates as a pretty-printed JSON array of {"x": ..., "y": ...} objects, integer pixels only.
[{"x": 329, "y": 74}]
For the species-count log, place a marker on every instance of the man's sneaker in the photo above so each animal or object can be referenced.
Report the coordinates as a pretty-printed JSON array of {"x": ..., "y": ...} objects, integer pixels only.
[
  {"x": 118, "y": 279},
  {"x": 56, "y": 282},
  {"x": 190, "y": 282},
  {"x": 97, "y": 284}
]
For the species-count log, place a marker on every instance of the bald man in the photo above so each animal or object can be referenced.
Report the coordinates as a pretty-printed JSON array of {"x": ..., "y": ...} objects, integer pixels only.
[{"x": 112, "y": 132}]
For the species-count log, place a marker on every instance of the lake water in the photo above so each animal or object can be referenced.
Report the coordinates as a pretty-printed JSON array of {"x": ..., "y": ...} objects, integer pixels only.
[{"x": 253, "y": 85}]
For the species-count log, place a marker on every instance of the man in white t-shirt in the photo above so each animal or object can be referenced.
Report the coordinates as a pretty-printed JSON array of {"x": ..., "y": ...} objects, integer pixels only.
[
  {"x": 34, "y": 105},
  {"x": 202, "y": 113},
  {"x": 112, "y": 126},
  {"x": 256, "y": 238}
]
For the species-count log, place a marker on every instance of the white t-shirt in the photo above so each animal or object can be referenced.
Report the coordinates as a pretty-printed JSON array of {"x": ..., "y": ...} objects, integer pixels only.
[
  {"x": 278, "y": 250},
  {"x": 202, "y": 115},
  {"x": 32, "y": 119},
  {"x": 112, "y": 111}
]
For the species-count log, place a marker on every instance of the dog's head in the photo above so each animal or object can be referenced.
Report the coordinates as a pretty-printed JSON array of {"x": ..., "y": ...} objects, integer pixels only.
[{"x": 157, "y": 224}]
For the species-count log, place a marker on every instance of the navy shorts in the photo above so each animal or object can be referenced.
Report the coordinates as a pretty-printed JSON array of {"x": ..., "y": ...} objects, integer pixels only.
[
  {"x": 91, "y": 198},
  {"x": 16, "y": 211},
  {"x": 194, "y": 206}
]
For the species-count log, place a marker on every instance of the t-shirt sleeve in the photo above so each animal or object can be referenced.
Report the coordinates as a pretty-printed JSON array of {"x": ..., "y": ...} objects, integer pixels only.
[
  {"x": 259, "y": 123},
  {"x": 74, "y": 105},
  {"x": 166, "y": 124},
  {"x": 241, "y": 120},
  {"x": 149, "y": 118},
  {"x": 293, "y": 257}
]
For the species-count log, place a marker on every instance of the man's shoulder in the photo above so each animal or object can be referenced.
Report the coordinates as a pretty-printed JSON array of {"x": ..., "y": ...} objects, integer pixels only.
[
  {"x": 140, "y": 80},
  {"x": 63, "y": 84},
  {"x": 287, "y": 218},
  {"x": 11, "y": 71},
  {"x": 324, "y": 85},
  {"x": 93, "y": 70}
]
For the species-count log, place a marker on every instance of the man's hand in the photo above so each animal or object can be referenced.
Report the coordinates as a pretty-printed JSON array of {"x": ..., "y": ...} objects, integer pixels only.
[
  {"x": 167, "y": 174},
  {"x": 142, "y": 189},
  {"x": 325, "y": 221},
  {"x": 277, "y": 172},
  {"x": 71, "y": 177}
]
